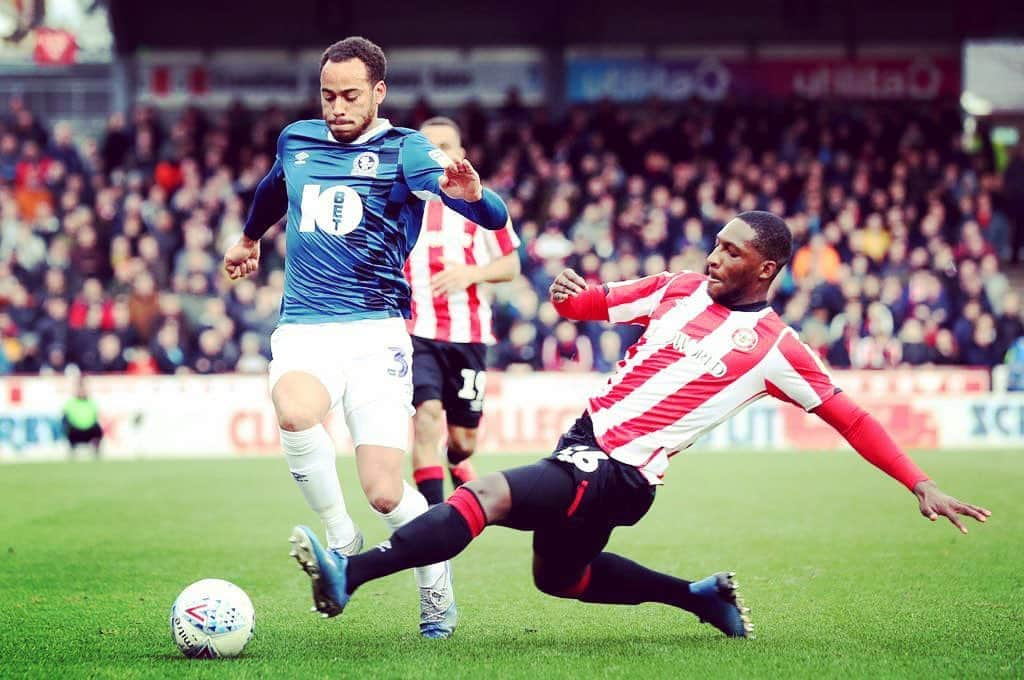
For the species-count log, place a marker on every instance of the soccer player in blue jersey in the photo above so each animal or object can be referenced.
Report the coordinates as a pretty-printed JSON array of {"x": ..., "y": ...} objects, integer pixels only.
[{"x": 353, "y": 187}]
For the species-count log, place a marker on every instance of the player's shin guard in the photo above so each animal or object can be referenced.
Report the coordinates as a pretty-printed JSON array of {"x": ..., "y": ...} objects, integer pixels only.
[
  {"x": 311, "y": 460},
  {"x": 430, "y": 482},
  {"x": 611, "y": 579},
  {"x": 439, "y": 534},
  {"x": 411, "y": 506}
]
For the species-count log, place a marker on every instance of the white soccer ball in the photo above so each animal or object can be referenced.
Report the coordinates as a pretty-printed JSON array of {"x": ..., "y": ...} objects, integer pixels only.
[{"x": 212, "y": 618}]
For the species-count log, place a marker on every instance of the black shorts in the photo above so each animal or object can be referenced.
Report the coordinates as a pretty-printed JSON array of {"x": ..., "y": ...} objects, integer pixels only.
[
  {"x": 573, "y": 499},
  {"x": 453, "y": 372},
  {"x": 84, "y": 436}
]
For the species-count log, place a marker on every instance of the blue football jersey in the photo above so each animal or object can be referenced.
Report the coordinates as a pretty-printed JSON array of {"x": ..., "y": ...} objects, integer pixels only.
[{"x": 354, "y": 214}]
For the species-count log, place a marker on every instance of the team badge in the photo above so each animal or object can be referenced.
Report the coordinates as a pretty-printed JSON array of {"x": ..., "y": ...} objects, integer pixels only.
[
  {"x": 301, "y": 157},
  {"x": 365, "y": 164},
  {"x": 744, "y": 339}
]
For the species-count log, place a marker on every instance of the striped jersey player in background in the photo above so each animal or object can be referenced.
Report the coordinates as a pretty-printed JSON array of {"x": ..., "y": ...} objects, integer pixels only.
[
  {"x": 353, "y": 188},
  {"x": 451, "y": 326},
  {"x": 711, "y": 345}
]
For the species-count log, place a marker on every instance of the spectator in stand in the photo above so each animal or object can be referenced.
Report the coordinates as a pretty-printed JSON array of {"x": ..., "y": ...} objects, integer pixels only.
[
  {"x": 519, "y": 351},
  {"x": 816, "y": 261},
  {"x": 168, "y": 350},
  {"x": 144, "y": 306},
  {"x": 210, "y": 355},
  {"x": 84, "y": 337},
  {"x": 981, "y": 348},
  {"x": 10, "y": 154},
  {"x": 609, "y": 351},
  {"x": 914, "y": 350},
  {"x": 1015, "y": 360},
  {"x": 1009, "y": 322},
  {"x": 567, "y": 350},
  {"x": 30, "y": 360},
  {"x": 141, "y": 362},
  {"x": 1013, "y": 190},
  {"x": 62, "y": 148},
  {"x": 251, "y": 359},
  {"x": 109, "y": 356}
]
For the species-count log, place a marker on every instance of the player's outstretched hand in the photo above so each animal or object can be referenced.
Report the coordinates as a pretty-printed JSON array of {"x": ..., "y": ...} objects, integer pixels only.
[
  {"x": 934, "y": 502},
  {"x": 460, "y": 180},
  {"x": 242, "y": 259},
  {"x": 566, "y": 284}
]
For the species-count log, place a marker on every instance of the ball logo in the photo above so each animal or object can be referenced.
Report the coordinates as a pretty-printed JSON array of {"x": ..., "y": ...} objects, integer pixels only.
[
  {"x": 195, "y": 613},
  {"x": 744, "y": 339},
  {"x": 365, "y": 164}
]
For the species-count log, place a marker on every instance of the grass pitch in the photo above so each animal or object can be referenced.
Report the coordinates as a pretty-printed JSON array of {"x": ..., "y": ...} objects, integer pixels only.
[{"x": 844, "y": 576}]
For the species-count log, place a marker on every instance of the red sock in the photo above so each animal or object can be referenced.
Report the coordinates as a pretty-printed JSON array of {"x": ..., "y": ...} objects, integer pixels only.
[{"x": 462, "y": 473}]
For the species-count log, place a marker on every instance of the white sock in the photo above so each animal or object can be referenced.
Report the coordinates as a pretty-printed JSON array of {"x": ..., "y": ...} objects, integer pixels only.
[
  {"x": 311, "y": 459},
  {"x": 412, "y": 505}
]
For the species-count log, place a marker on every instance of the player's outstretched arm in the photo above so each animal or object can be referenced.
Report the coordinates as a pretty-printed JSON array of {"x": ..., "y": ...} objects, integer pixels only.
[
  {"x": 268, "y": 206},
  {"x": 875, "y": 445}
]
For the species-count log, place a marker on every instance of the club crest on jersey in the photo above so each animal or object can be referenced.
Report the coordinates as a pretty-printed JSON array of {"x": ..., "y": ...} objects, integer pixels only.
[
  {"x": 301, "y": 158},
  {"x": 744, "y": 339},
  {"x": 365, "y": 164}
]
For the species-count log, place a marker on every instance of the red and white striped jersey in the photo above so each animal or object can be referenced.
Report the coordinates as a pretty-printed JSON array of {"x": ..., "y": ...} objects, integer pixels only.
[
  {"x": 696, "y": 364},
  {"x": 447, "y": 236}
]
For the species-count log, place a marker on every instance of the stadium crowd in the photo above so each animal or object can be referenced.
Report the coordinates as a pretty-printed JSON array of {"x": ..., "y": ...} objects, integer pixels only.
[{"x": 110, "y": 247}]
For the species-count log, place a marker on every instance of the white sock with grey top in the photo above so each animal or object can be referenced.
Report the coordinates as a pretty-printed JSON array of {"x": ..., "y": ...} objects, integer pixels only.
[{"x": 311, "y": 459}]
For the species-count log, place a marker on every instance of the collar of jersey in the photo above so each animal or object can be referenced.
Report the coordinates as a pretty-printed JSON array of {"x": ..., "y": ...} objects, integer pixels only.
[
  {"x": 752, "y": 307},
  {"x": 380, "y": 126}
]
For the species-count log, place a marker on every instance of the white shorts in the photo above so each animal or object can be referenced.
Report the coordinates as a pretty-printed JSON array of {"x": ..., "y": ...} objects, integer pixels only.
[{"x": 366, "y": 366}]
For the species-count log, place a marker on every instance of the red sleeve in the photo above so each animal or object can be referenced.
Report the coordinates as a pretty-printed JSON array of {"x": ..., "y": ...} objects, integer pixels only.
[
  {"x": 590, "y": 305},
  {"x": 635, "y": 300},
  {"x": 870, "y": 440}
]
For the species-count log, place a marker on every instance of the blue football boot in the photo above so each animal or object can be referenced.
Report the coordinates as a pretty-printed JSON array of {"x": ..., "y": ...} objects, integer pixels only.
[
  {"x": 721, "y": 605},
  {"x": 326, "y": 569}
]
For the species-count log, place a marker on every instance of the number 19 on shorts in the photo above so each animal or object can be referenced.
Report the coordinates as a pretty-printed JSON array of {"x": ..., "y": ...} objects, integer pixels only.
[{"x": 474, "y": 385}]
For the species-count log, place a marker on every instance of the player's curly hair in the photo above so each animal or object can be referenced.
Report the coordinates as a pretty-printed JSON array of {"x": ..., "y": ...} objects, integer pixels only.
[
  {"x": 366, "y": 51},
  {"x": 773, "y": 240}
]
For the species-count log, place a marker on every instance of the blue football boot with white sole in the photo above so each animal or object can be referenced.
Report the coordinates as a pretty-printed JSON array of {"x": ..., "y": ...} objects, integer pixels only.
[
  {"x": 438, "y": 613},
  {"x": 721, "y": 605},
  {"x": 326, "y": 570}
]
